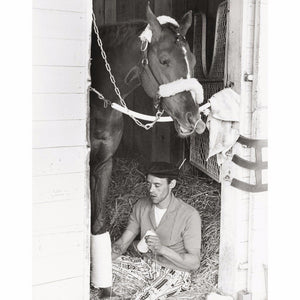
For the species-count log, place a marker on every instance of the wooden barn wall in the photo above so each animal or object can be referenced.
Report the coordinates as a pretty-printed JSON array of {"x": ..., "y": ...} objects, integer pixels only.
[
  {"x": 160, "y": 142},
  {"x": 61, "y": 41}
]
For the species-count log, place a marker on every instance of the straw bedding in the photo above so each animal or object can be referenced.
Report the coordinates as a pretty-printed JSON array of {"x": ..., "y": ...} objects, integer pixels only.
[{"x": 128, "y": 186}]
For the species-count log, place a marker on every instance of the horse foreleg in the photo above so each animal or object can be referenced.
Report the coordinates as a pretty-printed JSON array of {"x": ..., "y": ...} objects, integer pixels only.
[
  {"x": 100, "y": 178},
  {"x": 104, "y": 142}
]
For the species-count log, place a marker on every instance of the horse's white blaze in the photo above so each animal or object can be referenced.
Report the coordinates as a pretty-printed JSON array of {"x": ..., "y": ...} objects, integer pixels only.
[
  {"x": 187, "y": 63},
  {"x": 188, "y": 76}
]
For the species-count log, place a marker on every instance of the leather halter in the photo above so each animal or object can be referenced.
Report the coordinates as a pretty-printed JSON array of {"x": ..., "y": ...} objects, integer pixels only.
[
  {"x": 145, "y": 63},
  {"x": 146, "y": 67},
  {"x": 149, "y": 72}
]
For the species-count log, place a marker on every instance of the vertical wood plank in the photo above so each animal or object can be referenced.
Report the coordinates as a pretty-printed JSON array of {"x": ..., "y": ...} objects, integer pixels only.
[
  {"x": 125, "y": 10},
  {"x": 140, "y": 9},
  {"x": 178, "y": 9},
  {"x": 161, "y": 142},
  {"x": 212, "y": 7},
  {"x": 99, "y": 11},
  {"x": 231, "y": 208},
  {"x": 128, "y": 139},
  {"x": 195, "y": 6},
  {"x": 177, "y": 146},
  {"x": 163, "y": 7},
  {"x": 258, "y": 215},
  {"x": 142, "y": 139},
  {"x": 161, "y": 138},
  {"x": 110, "y": 11},
  {"x": 144, "y": 105}
]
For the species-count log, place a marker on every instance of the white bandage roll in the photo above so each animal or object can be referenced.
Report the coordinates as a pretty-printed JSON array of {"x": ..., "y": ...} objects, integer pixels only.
[
  {"x": 142, "y": 245},
  {"x": 101, "y": 269}
]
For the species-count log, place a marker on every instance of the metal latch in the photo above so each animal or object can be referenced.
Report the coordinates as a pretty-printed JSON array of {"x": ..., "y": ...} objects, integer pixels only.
[{"x": 248, "y": 77}]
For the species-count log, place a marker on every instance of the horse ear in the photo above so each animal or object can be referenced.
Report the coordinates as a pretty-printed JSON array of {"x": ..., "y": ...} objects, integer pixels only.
[
  {"x": 153, "y": 22},
  {"x": 186, "y": 23}
]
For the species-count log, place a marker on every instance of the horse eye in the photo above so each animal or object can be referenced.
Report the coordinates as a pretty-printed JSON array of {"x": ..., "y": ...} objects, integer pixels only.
[{"x": 164, "y": 61}]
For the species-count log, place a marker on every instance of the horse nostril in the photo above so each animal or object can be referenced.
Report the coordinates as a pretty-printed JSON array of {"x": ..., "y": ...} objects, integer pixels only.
[
  {"x": 189, "y": 117},
  {"x": 200, "y": 126},
  {"x": 195, "y": 122}
]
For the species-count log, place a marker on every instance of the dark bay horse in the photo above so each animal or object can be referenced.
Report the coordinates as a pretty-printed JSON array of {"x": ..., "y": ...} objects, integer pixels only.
[{"x": 165, "y": 59}]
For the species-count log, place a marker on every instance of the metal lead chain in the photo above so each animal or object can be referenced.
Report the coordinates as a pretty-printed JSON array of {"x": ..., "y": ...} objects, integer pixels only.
[{"x": 113, "y": 81}]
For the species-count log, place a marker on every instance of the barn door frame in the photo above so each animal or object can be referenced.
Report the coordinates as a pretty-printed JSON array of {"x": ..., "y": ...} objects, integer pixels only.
[{"x": 243, "y": 214}]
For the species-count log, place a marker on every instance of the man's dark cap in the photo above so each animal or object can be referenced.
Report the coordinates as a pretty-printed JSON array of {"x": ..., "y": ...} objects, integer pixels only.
[{"x": 162, "y": 169}]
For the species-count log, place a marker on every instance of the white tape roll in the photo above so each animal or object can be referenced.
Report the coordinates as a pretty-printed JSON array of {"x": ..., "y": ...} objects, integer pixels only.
[
  {"x": 142, "y": 246},
  {"x": 101, "y": 273}
]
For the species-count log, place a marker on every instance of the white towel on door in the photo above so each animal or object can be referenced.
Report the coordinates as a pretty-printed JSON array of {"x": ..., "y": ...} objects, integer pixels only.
[{"x": 223, "y": 123}]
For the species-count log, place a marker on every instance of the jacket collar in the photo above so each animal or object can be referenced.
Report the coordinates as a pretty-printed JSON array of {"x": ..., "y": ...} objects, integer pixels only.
[{"x": 174, "y": 202}]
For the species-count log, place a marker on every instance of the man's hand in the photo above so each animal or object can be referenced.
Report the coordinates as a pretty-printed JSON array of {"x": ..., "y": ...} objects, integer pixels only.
[
  {"x": 154, "y": 243},
  {"x": 121, "y": 245},
  {"x": 189, "y": 261}
]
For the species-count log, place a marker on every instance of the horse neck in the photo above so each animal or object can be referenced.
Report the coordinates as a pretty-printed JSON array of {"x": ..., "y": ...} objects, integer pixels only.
[
  {"x": 129, "y": 58},
  {"x": 125, "y": 57}
]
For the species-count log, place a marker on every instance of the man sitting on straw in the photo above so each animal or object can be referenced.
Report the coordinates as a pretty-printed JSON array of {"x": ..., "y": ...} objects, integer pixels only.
[{"x": 171, "y": 244}]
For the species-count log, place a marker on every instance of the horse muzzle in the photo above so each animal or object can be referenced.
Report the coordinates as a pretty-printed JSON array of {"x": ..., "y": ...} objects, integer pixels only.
[{"x": 184, "y": 131}]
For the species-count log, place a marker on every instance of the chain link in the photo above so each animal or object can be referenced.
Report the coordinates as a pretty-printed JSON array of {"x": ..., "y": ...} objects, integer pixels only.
[{"x": 113, "y": 81}]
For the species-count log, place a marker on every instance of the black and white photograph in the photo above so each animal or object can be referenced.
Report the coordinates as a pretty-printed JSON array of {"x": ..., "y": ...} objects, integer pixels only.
[{"x": 150, "y": 150}]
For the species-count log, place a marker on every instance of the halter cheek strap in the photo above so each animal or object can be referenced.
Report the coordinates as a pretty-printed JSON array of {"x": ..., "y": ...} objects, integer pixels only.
[
  {"x": 142, "y": 75},
  {"x": 149, "y": 80}
]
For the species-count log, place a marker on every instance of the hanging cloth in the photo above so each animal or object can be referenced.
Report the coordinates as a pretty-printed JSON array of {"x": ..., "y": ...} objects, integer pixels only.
[{"x": 223, "y": 123}]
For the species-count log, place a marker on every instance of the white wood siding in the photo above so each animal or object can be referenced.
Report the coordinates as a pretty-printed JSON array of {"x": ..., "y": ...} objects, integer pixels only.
[
  {"x": 59, "y": 107},
  {"x": 258, "y": 216},
  {"x": 60, "y": 72},
  {"x": 64, "y": 289},
  {"x": 243, "y": 215},
  {"x": 58, "y": 80}
]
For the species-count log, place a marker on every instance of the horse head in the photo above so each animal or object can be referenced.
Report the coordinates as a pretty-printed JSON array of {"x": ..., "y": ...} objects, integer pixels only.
[{"x": 168, "y": 65}]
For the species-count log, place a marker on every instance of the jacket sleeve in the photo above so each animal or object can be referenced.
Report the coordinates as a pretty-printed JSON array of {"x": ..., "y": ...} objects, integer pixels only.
[
  {"x": 134, "y": 222},
  {"x": 192, "y": 232}
]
